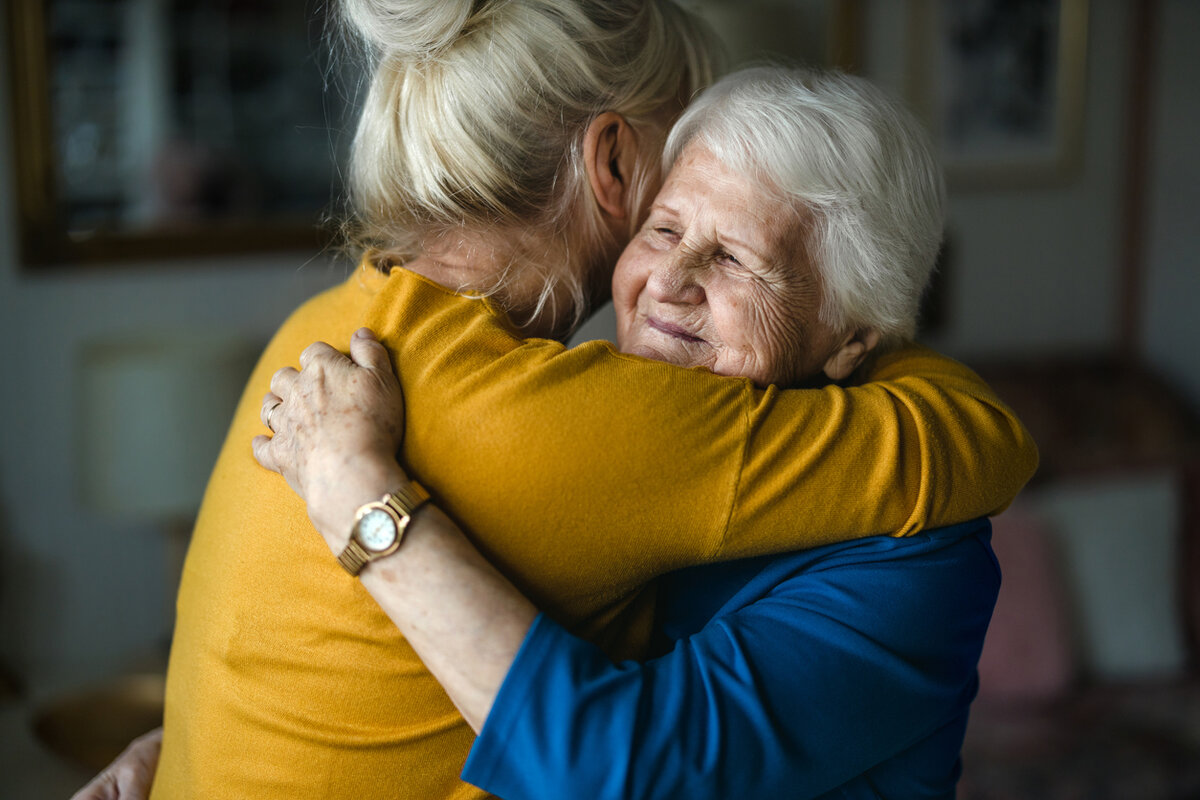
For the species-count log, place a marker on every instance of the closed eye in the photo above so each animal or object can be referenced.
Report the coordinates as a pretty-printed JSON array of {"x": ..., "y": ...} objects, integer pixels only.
[{"x": 666, "y": 233}]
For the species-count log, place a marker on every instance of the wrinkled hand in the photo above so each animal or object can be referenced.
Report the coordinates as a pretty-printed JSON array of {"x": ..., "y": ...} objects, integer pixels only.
[
  {"x": 337, "y": 425},
  {"x": 129, "y": 776}
]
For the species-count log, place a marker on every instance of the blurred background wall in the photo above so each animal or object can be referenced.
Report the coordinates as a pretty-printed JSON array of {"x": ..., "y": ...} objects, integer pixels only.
[
  {"x": 81, "y": 592},
  {"x": 1034, "y": 272}
]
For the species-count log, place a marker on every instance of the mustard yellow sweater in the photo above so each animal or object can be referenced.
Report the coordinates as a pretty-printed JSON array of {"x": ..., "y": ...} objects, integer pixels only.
[{"x": 583, "y": 473}]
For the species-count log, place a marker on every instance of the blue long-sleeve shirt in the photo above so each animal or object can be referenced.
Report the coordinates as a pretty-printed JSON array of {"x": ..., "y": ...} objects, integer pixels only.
[{"x": 844, "y": 671}]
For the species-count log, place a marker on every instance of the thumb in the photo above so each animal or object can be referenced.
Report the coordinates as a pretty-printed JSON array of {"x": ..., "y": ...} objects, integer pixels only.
[
  {"x": 261, "y": 447},
  {"x": 366, "y": 351}
]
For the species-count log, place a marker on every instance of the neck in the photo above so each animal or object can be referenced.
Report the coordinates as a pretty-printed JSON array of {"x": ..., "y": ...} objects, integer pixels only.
[
  {"x": 464, "y": 264},
  {"x": 513, "y": 277}
]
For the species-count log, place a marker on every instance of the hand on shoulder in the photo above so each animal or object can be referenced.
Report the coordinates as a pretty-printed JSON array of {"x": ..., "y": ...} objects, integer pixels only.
[{"x": 337, "y": 424}]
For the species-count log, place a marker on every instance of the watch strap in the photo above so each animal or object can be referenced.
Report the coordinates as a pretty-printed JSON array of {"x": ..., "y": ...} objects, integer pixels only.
[
  {"x": 354, "y": 557},
  {"x": 402, "y": 502},
  {"x": 407, "y": 499}
]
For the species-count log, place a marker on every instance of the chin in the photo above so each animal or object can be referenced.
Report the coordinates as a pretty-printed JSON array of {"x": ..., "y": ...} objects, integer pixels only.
[
  {"x": 643, "y": 350},
  {"x": 647, "y": 351}
]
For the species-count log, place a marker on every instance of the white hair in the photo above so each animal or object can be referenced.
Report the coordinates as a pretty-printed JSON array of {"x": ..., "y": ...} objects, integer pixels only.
[
  {"x": 476, "y": 112},
  {"x": 852, "y": 156}
]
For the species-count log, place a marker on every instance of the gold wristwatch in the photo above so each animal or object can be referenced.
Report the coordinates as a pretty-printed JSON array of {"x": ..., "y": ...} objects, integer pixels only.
[{"x": 379, "y": 526}]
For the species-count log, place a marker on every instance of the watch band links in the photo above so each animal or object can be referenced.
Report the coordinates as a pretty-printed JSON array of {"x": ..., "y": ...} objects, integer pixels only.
[
  {"x": 403, "y": 502},
  {"x": 407, "y": 499},
  {"x": 354, "y": 557}
]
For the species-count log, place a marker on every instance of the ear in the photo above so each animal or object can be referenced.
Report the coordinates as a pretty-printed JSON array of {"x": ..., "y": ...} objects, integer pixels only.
[
  {"x": 609, "y": 154},
  {"x": 850, "y": 354}
]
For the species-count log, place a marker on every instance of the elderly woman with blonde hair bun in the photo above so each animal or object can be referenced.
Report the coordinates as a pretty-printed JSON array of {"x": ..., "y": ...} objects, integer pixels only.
[{"x": 582, "y": 473}]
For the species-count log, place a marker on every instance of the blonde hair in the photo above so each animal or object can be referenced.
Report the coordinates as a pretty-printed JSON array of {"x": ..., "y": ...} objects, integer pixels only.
[
  {"x": 858, "y": 160},
  {"x": 475, "y": 117}
]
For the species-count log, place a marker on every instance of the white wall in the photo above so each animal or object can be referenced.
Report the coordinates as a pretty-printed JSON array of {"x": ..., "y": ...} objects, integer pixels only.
[
  {"x": 1171, "y": 307},
  {"x": 81, "y": 596},
  {"x": 1033, "y": 269},
  {"x": 1039, "y": 268}
]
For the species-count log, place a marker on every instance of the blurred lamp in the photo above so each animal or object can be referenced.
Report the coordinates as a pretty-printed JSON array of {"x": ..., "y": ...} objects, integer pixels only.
[{"x": 155, "y": 410}]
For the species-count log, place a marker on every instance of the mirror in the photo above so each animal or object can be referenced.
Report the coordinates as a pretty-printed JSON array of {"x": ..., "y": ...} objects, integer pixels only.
[{"x": 155, "y": 129}]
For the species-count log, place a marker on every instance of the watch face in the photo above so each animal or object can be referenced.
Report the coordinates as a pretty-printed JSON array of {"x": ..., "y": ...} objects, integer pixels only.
[{"x": 376, "y": 530}]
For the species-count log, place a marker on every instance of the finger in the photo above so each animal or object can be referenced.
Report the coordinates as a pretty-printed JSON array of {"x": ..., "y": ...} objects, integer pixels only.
[
  {"x": 263, "y": 454},
  {"x": 102, "y": 787},
  {"x": 282, "y": 381},
  {"x": 270, "y": 402},
  {"x": 318, "y": 350},
  {"x": 368, "y": 352},
  {"x": 134, "y": 782}
]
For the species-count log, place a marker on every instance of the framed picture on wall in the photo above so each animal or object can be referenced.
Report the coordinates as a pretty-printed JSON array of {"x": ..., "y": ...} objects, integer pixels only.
[
  {"x": 158, "y": 130},
  {"x": 1001, "y": 84}
]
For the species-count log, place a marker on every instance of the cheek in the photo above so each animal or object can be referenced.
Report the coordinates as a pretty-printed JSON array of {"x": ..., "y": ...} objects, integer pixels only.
[
  {"x": 753, "y": 319},
  {"x": 771, "y": 328},
  {"x": 628, "y": 280},
  {"x": 733, "y": 320},
  {"x": 624, "y": 294}
]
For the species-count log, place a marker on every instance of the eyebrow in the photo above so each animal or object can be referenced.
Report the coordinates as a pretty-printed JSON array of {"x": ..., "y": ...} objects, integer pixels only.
[
  {"x": 659, "y": 206},
  {"x": 742, "y": 245}
]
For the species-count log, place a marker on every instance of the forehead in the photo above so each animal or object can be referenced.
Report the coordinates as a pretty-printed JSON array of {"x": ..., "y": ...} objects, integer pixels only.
[{"x": 703, "y": 189}]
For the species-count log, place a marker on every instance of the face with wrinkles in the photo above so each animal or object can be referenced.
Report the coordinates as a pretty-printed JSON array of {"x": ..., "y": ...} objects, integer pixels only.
[{"x": 719, "y": 277}]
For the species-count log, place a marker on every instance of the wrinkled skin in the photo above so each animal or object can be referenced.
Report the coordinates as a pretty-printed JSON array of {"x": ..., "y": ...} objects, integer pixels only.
[{"x": 719, "y": 276}]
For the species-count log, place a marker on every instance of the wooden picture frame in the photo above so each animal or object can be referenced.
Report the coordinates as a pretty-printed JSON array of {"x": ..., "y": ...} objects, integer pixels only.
[
  {"x": 1002, "y": 93},
  {"x": 52, "y": 236}
]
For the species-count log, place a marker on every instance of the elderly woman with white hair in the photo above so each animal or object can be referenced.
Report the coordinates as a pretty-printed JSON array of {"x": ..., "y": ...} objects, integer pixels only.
[
  {"x": 582, "y": 473},
  {"x": 793, "y": 235}
]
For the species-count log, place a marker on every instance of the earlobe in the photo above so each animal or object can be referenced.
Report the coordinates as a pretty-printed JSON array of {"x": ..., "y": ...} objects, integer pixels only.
[
  {"x": 610, "y": 153},
  {"x": 850, "y": 356}
]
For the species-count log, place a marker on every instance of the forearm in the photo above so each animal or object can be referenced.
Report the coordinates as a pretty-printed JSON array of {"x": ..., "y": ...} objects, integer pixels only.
[
  {"x": 461, "y": 616},
  {"x": 497, "y": 425},
  {"x": 335, "y": 431}
]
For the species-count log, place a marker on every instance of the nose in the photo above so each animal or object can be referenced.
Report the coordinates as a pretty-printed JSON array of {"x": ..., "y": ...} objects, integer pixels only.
[{"x": 677, "y": 279}]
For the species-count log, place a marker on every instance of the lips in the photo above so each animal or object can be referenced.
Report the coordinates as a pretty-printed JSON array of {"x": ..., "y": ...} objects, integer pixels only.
[{"x": 673, "y": 331}]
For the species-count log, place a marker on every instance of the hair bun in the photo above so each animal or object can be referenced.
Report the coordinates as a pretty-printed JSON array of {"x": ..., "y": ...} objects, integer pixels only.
[{"x": 407, "y": 28}]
